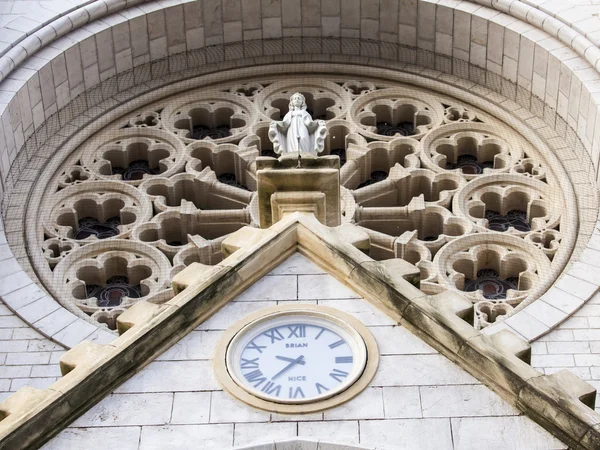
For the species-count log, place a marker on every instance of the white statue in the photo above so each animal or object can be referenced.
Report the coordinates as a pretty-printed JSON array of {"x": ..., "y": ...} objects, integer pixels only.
[{"x": 297, "y": 132}]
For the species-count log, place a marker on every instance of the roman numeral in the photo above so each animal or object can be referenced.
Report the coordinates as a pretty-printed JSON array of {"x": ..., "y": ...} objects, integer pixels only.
[
  {"x": 250, "y": 363},
  {"x": 343, "y": 359},
  {"x": 297, "y": 331},
  {"x": 338, "y": 375},
  {"x": 337, "y": 343},
  {"x": 274, "y": 334},
  {"x": 320, "y": 387},
  {"x": 253, "y": 346},
  {"x": 320, "y": 333},
  {"x": 271, "y": 388},
  {"x": 296, "y": 393},
  {"x": 256, "y": 377}
]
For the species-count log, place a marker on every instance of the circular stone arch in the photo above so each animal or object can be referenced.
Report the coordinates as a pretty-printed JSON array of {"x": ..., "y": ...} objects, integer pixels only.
[{"x": 531, "y": 76}]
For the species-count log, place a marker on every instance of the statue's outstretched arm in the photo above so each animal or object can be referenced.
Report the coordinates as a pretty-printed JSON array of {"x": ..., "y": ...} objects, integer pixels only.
[
  {"x": 312, "y": 126},
  {"x": 282, "y": 125},
  {"x": 277, "y": 131},
  {"x": 278, "y": 124}
]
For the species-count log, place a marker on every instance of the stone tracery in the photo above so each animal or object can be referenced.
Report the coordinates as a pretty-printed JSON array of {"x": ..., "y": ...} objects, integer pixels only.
[{"x": 433, "y": 181}]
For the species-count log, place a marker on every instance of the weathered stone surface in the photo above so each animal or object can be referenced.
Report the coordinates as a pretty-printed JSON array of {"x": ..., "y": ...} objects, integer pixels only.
[
  {"x": 195, "y": 273},
  {"x": 141, "y": 312},
  {"x": 21, "y": 401},
  {"x": 574, "y": 418},
  {"x": 438, "y": 323},
  {"x": 244, "y": 237},
  {"x": 318, "y": 181},
  {"x": 286, "y": 203},
  {"x": 508, "y": 342},
  {"x": 354, "y": 236},
  {"x": 84, "y": 354}
]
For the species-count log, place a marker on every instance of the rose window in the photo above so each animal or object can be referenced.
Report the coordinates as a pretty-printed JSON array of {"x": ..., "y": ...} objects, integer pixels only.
[
  {"x": 338, "y": 139},
  {"x": 213, "y": 122},
  {"x": 434, "y": 181},
  {"x": 490, "y": 284},
  {"x": 515, "y": 218},
  {"x": 144, "y": 119},
  {"x": 459, "y": 114},
  {"x": 377, "y": 175}
]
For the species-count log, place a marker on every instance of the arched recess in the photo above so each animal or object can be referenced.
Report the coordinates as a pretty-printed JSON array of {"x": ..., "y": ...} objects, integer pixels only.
[{"x": 528, "y": 74}]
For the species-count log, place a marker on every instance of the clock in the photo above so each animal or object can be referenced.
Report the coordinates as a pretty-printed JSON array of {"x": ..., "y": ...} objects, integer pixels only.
[{"x": 296, "y": 355}]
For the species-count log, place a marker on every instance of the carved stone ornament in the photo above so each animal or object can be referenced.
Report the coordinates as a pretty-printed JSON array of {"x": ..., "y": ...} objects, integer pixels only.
[
  {"x": 298, "y": 132},
  {"x": 475, "y": 206}
]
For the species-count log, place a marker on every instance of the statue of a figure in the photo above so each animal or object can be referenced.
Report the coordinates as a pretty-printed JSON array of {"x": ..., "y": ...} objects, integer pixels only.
[{"x": 298, "y": 132}]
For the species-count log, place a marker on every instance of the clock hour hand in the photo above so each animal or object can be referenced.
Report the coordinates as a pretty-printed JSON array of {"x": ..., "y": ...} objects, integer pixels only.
[
  {"x": 283, "y": 358},
  {"x": 299, "y": 360}
]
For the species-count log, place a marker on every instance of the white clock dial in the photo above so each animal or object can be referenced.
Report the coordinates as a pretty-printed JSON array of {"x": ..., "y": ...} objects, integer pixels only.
[{"x": 296, "y": 358}]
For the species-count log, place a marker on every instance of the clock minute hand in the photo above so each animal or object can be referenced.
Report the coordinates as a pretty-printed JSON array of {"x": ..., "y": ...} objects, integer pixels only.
[
  {"x": 298, "y": 360},
  {"x": 283, "y": 358}
]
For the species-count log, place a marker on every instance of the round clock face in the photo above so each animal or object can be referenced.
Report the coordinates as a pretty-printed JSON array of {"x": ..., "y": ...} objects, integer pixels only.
[{"x": 296, "y": 357}]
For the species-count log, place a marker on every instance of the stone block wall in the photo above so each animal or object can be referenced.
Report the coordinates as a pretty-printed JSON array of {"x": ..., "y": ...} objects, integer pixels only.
[{"x": 417, "y": 399}]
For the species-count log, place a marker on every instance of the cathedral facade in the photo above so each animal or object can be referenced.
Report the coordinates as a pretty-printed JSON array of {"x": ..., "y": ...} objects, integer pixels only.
[{"x": 285, "y": 224}]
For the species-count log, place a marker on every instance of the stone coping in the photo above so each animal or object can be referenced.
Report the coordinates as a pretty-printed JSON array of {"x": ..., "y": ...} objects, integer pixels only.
[
  {"x": 577, "y": 30},
  {"x": 561, "y": 403},
  {"x": 68, "y": 328}
]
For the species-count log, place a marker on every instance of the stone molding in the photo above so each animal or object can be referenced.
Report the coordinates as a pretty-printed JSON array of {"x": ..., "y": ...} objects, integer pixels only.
[
  {"x": 537, "y": 14},
  {"x": 550, "y": 18},
  {"x": 561, "y": 403},
  {"x": 62, "y": 24}
]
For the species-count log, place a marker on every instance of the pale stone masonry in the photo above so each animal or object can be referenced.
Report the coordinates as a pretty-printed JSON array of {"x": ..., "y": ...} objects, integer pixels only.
[
  {"x": 68, "y": 64},
  {"x": 418, "y": 398},
  {"x": 26, "y": 357},
  {"x": 574, "y": 345}
]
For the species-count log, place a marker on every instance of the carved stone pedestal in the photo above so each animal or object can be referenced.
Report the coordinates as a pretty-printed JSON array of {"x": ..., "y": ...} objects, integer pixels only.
[{"x": 289, "y": 184}]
